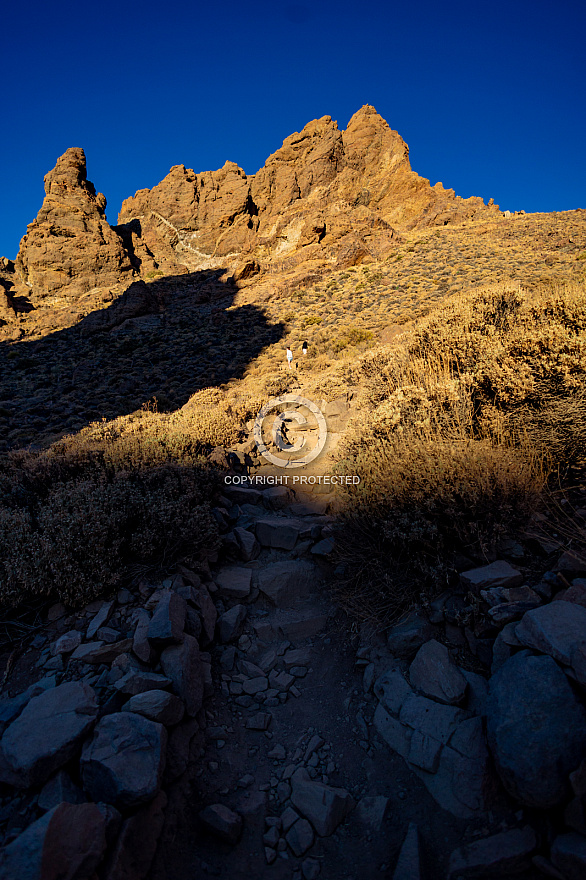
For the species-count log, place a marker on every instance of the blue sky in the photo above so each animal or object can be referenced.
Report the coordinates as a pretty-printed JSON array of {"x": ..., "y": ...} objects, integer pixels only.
[{"x": 490, "y": 97}]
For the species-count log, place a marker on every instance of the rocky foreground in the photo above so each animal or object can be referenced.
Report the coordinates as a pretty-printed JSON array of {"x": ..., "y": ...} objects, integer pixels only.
[{"x": 219, "y": 721}]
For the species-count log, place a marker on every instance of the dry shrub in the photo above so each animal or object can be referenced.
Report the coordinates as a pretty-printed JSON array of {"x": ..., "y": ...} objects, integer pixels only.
[
  {"x": 462, "y": 420},
  {"x": 71, "y": 531},
  {"x": 424, "y": 499}
]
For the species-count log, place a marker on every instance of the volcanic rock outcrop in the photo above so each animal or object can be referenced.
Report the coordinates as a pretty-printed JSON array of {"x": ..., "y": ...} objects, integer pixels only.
[
  {"x": 70, "y": 247},
  {"x": 326, "y": 197}
]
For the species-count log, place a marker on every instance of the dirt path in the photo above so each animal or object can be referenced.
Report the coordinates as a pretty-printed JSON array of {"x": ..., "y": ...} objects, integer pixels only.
[{"x": 318, "y": 714}]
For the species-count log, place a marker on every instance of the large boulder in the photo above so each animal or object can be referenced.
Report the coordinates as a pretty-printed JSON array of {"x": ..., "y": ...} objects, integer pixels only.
[
  {"x": 136, "y": 845},
  {"x": 536, "y": 729},
  {"x": 67, "y": 843},
  {"x": 48, "y": 732},
  {"x": 555, "y": 629},
  {"x": 123, "y": 763}
]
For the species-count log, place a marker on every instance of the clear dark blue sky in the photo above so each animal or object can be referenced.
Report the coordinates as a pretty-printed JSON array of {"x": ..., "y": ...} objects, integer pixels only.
[{"x": 490, "y": 97}]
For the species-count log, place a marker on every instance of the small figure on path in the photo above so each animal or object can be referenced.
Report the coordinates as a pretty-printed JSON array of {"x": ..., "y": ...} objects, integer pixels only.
[
  {"x": 289, "y": 357},
  {"x": 304, "y": 349}
]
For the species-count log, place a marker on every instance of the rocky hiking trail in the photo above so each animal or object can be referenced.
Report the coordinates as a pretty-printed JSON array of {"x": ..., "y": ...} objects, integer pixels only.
[
  {"x": 290, "y": 768},
  {"x": 229, "y": 722}
]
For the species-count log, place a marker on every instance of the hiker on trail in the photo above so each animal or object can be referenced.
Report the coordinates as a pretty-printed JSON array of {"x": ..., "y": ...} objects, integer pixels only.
[
  {"x": 304, "y": 349},
  {"x": 289, "y": 357}
]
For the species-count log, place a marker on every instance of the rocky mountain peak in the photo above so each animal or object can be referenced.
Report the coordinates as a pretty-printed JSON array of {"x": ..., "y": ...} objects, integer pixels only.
[
  {"x": 70, "y": 248},
  {"x": 326, "y": 197}
]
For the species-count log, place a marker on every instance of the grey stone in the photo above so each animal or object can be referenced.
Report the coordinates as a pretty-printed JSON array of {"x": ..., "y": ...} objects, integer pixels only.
[
  {"x": 536, "y": 729},
  {"x": 108, "y": 634},
  {"x": 223, "y": 822},
  {"x": 182, "y": 747},
  {"x": 260, "y": 721},
  {"x": 324, "y": 547},
  {"x": 497, "y": 574},
  {"x": 10, "y": 708},
  {"x": 255, "y": 685},
  {"x": 315, "y": 743},
  {"x": 370, "y": 811},
  {"x": 137, "y": 682},
  {"x": 291, "y": 624},
  {"x": 182, "y": 664},
  {"x": 434, "y": 674},
  {"x": 123, "y": 762},
  {"x": 392, "y": 688},
  {"x": 300, "y": 837},
  {"x": 99, "y": 619},
  {"x": 48, "y": 732},
  {"x": 66, "y": 643},
  {"x": 554, "y": 629},
  {"x": 209, "y": 614},
  {"x": 159, "y": 706},
  {"x": 310, "y": 869},
  {"x": 283, "y": 792},
  {"x": 141, "y": 646},
  {"x": 571, "y": 562},
  {"x": 406, "y": 637},
  {"x": 434, "y": 719},
  {"x": 234, "y": 582},
  {"x": 59, "y": 789},
  {"x": 477, "y": 692},
  {"x": 497, "y": 856},
  {"x": 278, "y": 532},
  {"x": 168, "y": 621},
  {"x": 247, "y": 667},
  {"x": 97, "y": 652},
  {"x": 288, "y": 818},
  {"x": 578, "y": 663},
  {"x": 408, "y": 865},
  {"x": 242, "y": 494},
  {"x": 568, "y": 853},
  {"x": 136, "y": 844},
  {"x": 230, "y": 623},
  {"x": 271, "y": 837},
  {"x": 68, "y": 843},
  {"x": 270, "y": 855},
  {"x": 324, "y": 806},
  {"x": 247, "y": 544},
  {"x": 462, "y": 783},
  {"x": 396, "y": 735},
  {"x": 511, "y": 595},
  {"x": 277, "y": 497},
  {"x": 285, "y": 583},
  {"x": 424, "y": 751}
]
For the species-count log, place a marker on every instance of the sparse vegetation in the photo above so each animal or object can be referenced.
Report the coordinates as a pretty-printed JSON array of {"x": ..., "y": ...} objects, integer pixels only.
[{"x": 461, "y": 423}]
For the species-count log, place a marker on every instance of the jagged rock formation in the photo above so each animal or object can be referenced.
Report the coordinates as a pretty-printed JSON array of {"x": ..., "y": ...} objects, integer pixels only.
[
  {"x": 326, "y": 197},
  {"x": 70, "y": 248}
]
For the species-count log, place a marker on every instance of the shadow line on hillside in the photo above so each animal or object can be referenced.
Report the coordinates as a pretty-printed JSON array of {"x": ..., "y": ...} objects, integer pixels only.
[{"x": 164, "y": 340}]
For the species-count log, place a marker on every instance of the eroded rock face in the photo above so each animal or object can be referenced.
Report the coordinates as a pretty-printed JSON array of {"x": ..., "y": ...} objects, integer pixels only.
[
  {"x": 70, "y": 248},
  {"x": 325, "y": 194}
]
